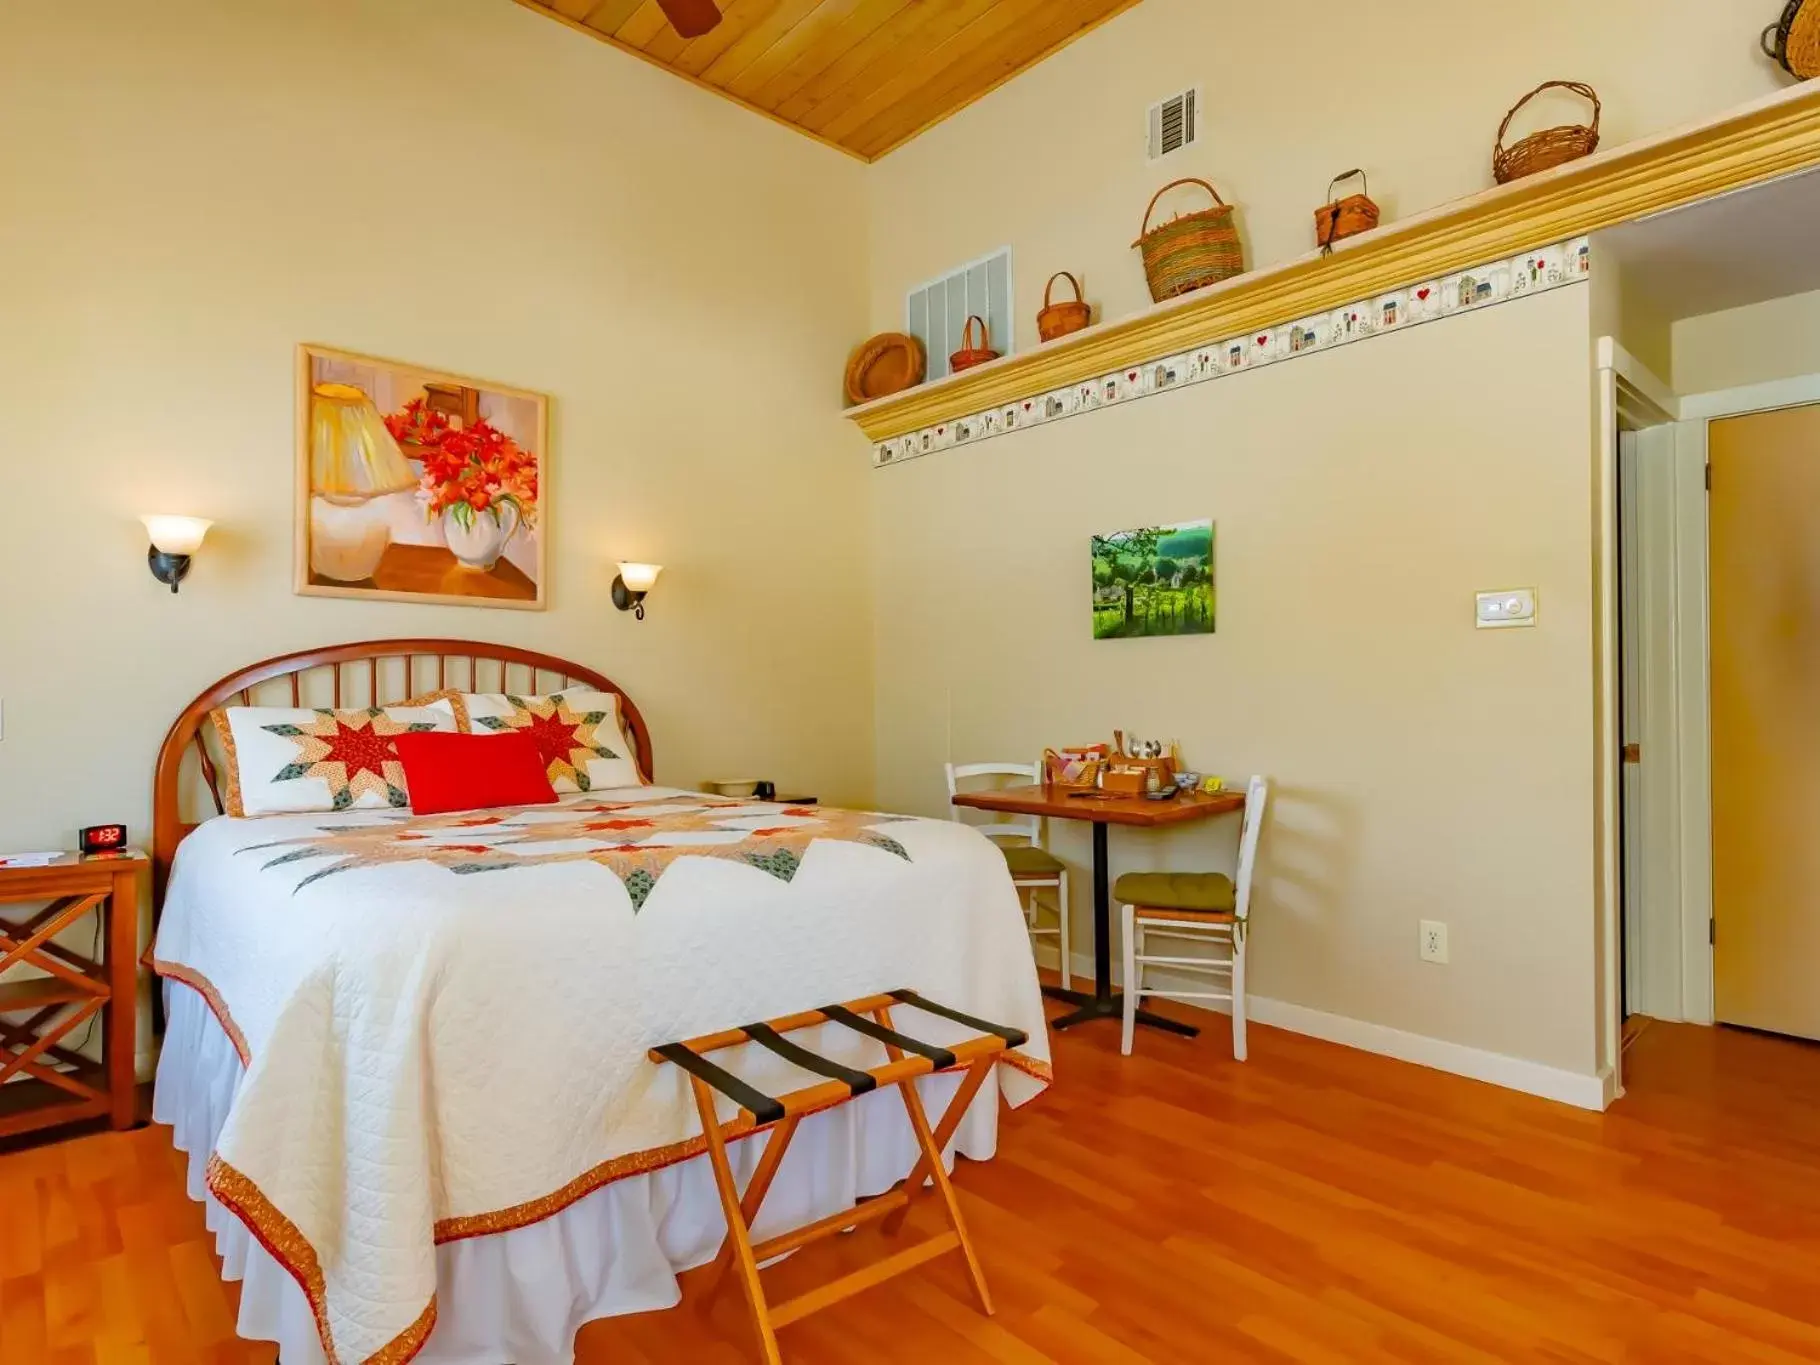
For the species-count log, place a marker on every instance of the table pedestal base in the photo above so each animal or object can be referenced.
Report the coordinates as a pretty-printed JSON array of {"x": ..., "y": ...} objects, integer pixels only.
[{"x": 1112, "y": 1007}]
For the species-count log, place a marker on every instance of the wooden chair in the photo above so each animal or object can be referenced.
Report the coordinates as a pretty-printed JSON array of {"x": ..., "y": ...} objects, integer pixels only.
[
  {"x": 907, "y": 1059},
  {"x": 1033, "y": 867},
  {"x": 1193, "y": 907}
]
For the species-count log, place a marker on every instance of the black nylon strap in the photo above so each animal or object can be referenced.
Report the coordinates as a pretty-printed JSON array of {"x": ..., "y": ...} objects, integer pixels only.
[
  {"x": 761, "y": 1106},
  {"x": 940, "y": 1056},
  {"x": 858, "y": 1082},
  {"x": 1014, "y": 1037}
]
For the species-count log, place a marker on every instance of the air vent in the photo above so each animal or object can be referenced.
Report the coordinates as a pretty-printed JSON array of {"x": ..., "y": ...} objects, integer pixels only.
[
  {"x": 936, "y": 313},
  {"x": 1173, "y": 123}
]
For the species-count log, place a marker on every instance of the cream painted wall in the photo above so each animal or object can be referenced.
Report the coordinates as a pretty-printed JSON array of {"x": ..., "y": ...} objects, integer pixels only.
[
  {"x": 1053, "y": 163},
  {"x": 191, "y": 188},
  {"x": 1424, "y": 769},
  {"x": 1779, "y": 339}
]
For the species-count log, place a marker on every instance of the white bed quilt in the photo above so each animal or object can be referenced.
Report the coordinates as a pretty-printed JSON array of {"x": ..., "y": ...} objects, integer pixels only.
[{"x": 445, "y": 1019}]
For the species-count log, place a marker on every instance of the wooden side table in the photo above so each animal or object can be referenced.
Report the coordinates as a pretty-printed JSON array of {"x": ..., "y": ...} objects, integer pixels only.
[{"x": 49, "y": 991}]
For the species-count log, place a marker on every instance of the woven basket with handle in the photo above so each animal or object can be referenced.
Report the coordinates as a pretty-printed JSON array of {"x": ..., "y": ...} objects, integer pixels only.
[
  {"x": 1794, "y": 42},
  {"x": 1194, "y": 250},
  {"x": 970, "y": 355},
  {"x": 1070, "y": 315},
  {"x": 1346, "y": 217},
  {"x": 1552, "y": 146}
]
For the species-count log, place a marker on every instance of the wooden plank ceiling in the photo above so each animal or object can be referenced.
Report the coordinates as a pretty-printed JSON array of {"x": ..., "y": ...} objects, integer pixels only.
[{"x": 862, "y": 75}]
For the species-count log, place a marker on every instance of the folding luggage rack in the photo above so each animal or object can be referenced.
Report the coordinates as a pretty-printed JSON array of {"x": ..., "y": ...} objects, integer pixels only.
[{"x": 906, "y": 1059}]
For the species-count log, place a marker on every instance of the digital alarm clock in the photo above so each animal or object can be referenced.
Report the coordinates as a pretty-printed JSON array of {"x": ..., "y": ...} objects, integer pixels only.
[{"x": 103, "y": 838}]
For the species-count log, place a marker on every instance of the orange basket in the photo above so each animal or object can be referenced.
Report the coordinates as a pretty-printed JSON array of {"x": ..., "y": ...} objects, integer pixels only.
[{"x": 970, "y": 355}]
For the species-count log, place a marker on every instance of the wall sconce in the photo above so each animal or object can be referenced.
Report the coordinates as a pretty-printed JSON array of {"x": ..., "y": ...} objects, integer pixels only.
[
  {"x": 631, "y": 584},
  {"x": 174, "y": 540}
]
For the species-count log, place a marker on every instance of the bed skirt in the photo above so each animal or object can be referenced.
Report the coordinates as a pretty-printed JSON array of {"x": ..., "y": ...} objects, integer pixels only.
[{"x": 521, "y": 1296}]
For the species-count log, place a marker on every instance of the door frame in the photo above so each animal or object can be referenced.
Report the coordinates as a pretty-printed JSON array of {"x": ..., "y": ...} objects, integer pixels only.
[
  {"x": 1629, "y": 398},
  {"x": 1692, "y": 682}
]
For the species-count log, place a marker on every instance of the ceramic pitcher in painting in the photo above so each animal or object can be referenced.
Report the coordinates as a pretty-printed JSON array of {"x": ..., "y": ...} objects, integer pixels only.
[{"x": 479, "y": 538}]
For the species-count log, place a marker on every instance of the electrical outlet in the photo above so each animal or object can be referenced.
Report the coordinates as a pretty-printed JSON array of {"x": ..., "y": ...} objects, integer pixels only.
[{"x": 1433, "y": 947}]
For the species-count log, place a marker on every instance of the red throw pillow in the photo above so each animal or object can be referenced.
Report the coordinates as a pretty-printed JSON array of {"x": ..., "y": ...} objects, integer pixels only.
[{"x": 445, "y": 772}]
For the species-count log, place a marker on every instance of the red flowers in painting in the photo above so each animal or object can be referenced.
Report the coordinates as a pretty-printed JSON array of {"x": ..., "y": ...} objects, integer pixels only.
[{"x": 472, "y": 469}]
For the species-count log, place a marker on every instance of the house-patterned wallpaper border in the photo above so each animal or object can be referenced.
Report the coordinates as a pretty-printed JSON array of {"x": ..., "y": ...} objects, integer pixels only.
[{"x": 1467, "y": 291}]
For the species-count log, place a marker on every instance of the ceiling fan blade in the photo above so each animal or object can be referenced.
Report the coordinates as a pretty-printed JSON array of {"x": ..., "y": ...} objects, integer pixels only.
[{"x": 690, "y": 18}]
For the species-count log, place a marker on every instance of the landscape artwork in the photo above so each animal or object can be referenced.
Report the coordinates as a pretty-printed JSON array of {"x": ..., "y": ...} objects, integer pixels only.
[
  {"x": 419, "y": 486},
  {"x": 1156, "y": 580}
]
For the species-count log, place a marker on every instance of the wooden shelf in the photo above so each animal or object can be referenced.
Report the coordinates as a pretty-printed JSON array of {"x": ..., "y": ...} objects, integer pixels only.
[{"x": 1771, "y": 137}]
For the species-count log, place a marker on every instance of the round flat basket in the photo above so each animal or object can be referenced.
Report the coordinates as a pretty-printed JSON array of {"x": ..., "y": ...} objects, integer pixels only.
[
  {"x": 889, "y": 363},
  {"x": 1794, "y": 43},
  {"x": 1552, "y": 146}
]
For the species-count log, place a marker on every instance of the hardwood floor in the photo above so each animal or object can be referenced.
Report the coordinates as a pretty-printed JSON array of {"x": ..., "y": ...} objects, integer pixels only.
[{"x": 1315, "y": 1204}]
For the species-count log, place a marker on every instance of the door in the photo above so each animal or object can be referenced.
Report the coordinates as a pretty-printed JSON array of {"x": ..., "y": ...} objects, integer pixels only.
[
  {"x": 1630, "y": 729},
  {"x": 1764, "y": 528}
]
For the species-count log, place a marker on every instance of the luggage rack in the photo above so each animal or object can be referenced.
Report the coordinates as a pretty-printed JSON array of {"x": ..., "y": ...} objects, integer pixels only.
[{"x": 907, "y": 1059}]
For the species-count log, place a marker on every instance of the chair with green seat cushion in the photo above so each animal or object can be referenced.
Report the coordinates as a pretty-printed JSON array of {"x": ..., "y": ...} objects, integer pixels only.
[
  {"x": 1207, "y": 892},
  {"x": 1032, "y": 867},
  {"x": 1198, "y": 908},
  {"x": 1025, "y": 861}
]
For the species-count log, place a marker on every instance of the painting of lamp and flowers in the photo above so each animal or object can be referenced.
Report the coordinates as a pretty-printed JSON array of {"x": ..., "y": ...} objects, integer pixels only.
[{"x": 418, "y": 486}]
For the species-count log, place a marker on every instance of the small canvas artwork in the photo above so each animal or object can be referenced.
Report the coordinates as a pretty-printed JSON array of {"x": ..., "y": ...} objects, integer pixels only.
[
  {"x": 419, "y": 486},
  {"x": 1155, "y": 580}
]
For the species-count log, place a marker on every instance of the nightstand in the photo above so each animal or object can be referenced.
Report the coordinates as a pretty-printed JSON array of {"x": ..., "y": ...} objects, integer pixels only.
[{"x": 50, "y": 991}]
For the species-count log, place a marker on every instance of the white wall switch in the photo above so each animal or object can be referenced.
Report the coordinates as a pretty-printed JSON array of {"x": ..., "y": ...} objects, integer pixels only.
[
  {"x": 1433, "y": 946},
  {"x": 1505, "y": 608}
]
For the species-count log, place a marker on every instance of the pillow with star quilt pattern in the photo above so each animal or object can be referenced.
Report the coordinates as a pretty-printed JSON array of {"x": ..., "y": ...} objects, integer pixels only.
[
  {"x": 577, "y": 732},
  {"x": 294, "y": 759}
]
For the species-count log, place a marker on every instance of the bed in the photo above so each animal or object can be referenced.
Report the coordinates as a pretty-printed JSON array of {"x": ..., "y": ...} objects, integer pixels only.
[{"x": 406, "y": 1054}]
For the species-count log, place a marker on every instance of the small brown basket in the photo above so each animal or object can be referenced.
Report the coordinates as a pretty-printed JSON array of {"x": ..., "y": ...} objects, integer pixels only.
[
  {"x": 1192, "y": 251},
  {"x": 1059, "y": 319},
  {"x": 970, "y": 355},
  {"x": 1552, "y": 146},
  {"x": 1793, "y": 43},
  {"x": 1345, "y": 217}
]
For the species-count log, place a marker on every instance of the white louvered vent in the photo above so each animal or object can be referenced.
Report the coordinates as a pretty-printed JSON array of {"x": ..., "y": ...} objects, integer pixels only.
[
  {"x": 1174, "y": 123},
  {"x": 935, "y": 313}
]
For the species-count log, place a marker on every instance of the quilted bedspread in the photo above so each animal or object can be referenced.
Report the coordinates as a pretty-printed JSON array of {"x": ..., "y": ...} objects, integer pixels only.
[{"x": 444, "y": 1019}]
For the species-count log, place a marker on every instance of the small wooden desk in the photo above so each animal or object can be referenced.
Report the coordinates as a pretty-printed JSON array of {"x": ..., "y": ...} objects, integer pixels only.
[{"x": 1102, "y": 811}]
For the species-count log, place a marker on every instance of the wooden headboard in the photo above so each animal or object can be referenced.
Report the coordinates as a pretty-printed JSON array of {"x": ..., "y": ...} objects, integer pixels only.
[{"x": 368, "y": 673}]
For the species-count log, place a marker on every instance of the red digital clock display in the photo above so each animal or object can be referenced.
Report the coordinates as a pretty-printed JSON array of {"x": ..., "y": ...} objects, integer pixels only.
[{"x": 103, "y": 838}]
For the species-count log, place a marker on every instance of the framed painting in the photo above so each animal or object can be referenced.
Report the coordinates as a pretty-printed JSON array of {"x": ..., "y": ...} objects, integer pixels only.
[
  {"x": 419, "y": 486},
  {"x": 1154, "y": 580}
]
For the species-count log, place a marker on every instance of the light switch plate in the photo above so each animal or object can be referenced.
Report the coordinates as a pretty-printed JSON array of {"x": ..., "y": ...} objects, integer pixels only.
[{"x": 1506, "y": 608}]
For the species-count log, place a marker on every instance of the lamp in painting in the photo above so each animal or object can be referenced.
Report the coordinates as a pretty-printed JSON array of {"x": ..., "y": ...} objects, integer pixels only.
[{"x": 356, "y": 469}]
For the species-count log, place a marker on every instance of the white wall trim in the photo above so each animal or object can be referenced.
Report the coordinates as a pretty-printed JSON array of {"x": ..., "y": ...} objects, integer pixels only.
[
  {"x": 1612, "y": 356},
  {"x": 1513, "y": 1073},
  {"x": 1693, "y": 718},
  {"x": 1777, "y": 393}
]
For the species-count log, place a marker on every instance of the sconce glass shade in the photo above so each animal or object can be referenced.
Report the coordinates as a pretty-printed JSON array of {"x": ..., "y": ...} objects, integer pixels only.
[
  {"x": 352, "y": 455},
  {"x": 176, "y": 535},
  {"x": 639, "y": 577}
]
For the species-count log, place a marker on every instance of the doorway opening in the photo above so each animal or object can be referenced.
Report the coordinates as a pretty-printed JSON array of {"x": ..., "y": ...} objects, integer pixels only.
[{"x": 1713, "y": 450}]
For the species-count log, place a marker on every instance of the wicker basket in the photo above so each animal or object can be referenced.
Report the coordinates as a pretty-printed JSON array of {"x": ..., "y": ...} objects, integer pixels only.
[
  {"x": 889, "y": 363},
  {"x": 970, "y": 355},
  {"x": 1076, "y": 770},
  {"x": 1552, "y": 146},
  {"x": 1794, "y": 42},
  {"x": 1059, "y": 319},
  {"x": 1192, "y": 251},
  {"x": 1344, "y": 217}
]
